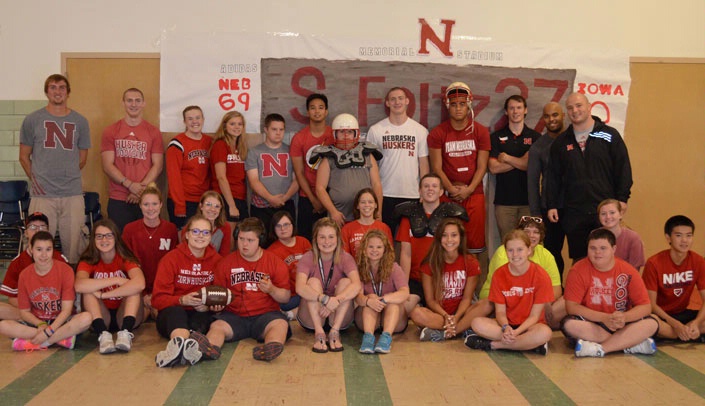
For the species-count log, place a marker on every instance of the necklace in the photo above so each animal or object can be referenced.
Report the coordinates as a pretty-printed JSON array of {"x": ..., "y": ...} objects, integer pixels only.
[{"x": 146, "y": 229}]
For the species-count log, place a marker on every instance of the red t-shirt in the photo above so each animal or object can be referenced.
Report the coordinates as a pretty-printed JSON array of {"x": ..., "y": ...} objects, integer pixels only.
[
  {"x": 291, "y": 256},
  {"x": 521, "y": 293},
  {"x": 302, "y": 145},
  {"x": 419, "y": 247},
  {"x": 674, "y": 284},
  {"x": 459, "y": 150},
  {"x": 149, "y": 246},
  {"x": 455, "y": 277},
  {"x": 42, "y": 295},
  {"x": 12, "y": 276},
  {"x": 242, "y": 278},
  {"x": 118, "y": 268},
  {"x": 187, "y": 170},
  {"x": 353, "y": 232},
  {"x": 234, "y": 169},
  {"x": 618, "y": 289}
]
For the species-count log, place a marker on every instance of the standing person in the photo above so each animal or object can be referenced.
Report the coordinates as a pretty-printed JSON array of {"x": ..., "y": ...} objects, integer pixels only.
[
  {"x": 187, "y": 167},
  {"x": 629, "y": 245},
  {"x": 328, "y": 282},
  {"x": 132, "y": 154},
  {"x": 150, "y": 239},
  {"x": 508, "y": 161},
  {"x": 111, "y": 281},
  {"x": 54, "y": 144},
  {"x": 520, "y": 291},
  {"x": 259, "y": 282},
  {"x": 385, "y": 292},
  {"x": 227, "y": 156},
  {"x": 316, "y": 133},
  {"x": 589, "y": 163},
  {"x": 290, "y": 248},
  {"x": 458, "y": 151},
  {"x": 403, "y": 143},
  {"x": 607, "y": 303},
  {"x": 211, "y": 207},
  {"x": 182, "y": 318},
  {"x": 270, "y": 173},
  {"x": 672, "y": 276},
  {"x": 45, "y": 297},
  {"x": 449, "y": 278},
  {"x": 347, "y": 167},
  {"x": 418, "y": 226},
  {"x": 366, "y": 215},
  {"x": 537, "y": 177},
  {"x": 34, "y": 223}
]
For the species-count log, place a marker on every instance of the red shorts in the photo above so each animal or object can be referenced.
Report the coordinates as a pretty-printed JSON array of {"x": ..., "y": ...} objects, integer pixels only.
[{"x": 475, "y": 228}]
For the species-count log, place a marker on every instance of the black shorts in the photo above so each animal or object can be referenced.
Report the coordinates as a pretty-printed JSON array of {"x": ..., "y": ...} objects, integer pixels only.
[
  {"x": 686, "y": 316},
  {"x": 253, "y": 326},
  {"x": 241, "y": 207},
  {"x": 573, "y": 340},
  {"x": 415, "y": 288}
]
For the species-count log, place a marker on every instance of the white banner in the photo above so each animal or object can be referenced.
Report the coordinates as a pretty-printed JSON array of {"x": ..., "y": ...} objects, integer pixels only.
[{"x": 261, "y": 73}]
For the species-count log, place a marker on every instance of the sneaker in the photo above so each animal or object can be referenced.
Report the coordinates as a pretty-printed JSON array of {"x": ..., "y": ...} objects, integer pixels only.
[
  {"x": 475, "y": 342},
  {"x": 208, "y": 350},
  {"x": 430, "y": 334},
  {"x": 290, "y": 315},
  {"x": 468, "y": 333},
  {"x": 171, "y": 355},
  {"x": 68, "y": 342},
  {"x": 106, "y": 343},
  {"x": 124, "y": 340},
  {"x": 384, "y": 344},
  {"x": 647, "y": 347},
  {"x": 20, "y": 344},
  {"x": 268, "y": 351},
  {"x": 368, "y": 344},
  {"x": 541, "y": 349},
  {"x": 191, "y": 353},
  {"x": 588, "y": 349}
]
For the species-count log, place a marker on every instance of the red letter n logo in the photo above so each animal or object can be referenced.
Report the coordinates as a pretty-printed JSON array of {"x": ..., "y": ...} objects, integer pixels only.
[
  {"x": 54, "y": 133},
  {"x": 427, "y": 34},
  {"x": 272, "y": 164}
]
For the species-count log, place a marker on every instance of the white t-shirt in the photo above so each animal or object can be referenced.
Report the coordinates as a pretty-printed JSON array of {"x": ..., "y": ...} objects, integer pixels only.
[{"x": 402, "y": 146}]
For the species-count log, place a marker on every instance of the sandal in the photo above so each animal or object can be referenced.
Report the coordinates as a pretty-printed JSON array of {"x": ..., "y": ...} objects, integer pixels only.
[
  {"x": 320, "y": 341},
  {"x": 334, "y": 338}
]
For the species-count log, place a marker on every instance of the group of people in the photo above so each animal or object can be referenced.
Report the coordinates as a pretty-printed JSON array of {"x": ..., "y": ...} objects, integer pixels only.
[{"x": 355, "y": 198}]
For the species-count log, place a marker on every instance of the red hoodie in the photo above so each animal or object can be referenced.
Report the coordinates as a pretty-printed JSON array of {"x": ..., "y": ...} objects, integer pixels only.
[{"x": 180, "y": 273}]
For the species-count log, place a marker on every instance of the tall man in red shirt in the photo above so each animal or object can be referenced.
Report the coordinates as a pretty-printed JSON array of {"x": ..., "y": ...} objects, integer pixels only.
[{"x": 459, "y": 149}]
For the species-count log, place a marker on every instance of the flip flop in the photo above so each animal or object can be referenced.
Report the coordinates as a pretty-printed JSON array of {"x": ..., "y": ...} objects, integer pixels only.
[
  {"x": 320, "y": 339},
  {"x": 334, "y": 337}
]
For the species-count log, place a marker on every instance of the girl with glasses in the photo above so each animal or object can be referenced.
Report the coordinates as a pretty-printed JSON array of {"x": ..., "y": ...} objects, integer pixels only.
[
  {"x": 211, "y": 207},
  {"x": 111, "y": 282}
]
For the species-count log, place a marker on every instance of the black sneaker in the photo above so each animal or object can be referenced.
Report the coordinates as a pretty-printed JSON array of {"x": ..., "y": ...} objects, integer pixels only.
[
  {"x": 541, "y": 349},
  {"x": 476, "y": 342}
]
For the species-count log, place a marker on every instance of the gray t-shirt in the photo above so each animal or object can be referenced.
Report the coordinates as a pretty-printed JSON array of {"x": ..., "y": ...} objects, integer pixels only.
[
  {"x": 55, "y": 143},
  {"x": 273, "y": 168}
]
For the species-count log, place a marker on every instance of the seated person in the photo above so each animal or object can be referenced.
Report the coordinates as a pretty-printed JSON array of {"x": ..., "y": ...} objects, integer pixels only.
[
  {"x": 259, "y": 282},
  {"x": 534, "y": 228},
  {"x": 211, "y": 207},
  {"x": 45, "y": 296},
  {"x": 366, "y": 212},
  {"x": 383, "y": 300},
  {"x": 520, "y": 291},
  {"x": 111, "y": 283},
  {"x": 35, "y": 222},
  {"x": 671, "y": 277},
  {"x": 449, "y": 278},
  {"x": 607, "y": 303}
]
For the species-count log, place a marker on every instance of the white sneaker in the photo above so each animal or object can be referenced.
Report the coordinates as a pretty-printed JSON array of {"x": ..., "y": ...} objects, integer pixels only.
[
  {"x": 171, "y": 355},
  {"x": 106, "y": 344},
  {"x": 430, "y": 334},
  {"x": 191, "y": 353},
  {"x": 124, "y": 340},
  {"x": 647, "y": 347},
  {"x": 588, "y": 349}
]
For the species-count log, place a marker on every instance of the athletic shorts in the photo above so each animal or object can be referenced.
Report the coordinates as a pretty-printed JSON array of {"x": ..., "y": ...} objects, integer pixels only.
[{"x": 253, "y": 326}]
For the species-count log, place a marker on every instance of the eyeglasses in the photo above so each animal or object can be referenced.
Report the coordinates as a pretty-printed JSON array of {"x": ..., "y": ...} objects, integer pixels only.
[
  {"x": 283, "y": 226},
  {"x": 35, "y": 227},
  {"x": 537, "y": 220},
  {"x": 108, "y": 236},
  {"x": 212, "y": 205},
  {"x": 196, "y": 232}
]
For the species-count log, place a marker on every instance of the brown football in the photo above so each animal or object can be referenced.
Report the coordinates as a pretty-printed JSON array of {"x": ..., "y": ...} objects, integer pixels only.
[{"x": 214, "y": 295}]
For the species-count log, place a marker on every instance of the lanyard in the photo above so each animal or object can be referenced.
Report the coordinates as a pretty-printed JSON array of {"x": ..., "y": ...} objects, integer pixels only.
[
  {"x": 326, "y": 281},
  {"x": 376, "y": 288}
]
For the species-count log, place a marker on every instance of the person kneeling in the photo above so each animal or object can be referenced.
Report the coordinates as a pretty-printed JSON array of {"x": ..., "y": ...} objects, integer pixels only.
[{"x": 607, "y": 303}]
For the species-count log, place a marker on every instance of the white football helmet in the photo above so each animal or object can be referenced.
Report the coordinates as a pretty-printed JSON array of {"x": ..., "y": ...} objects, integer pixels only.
[
  {"x": 461, "y": 91},
  {"x": 345, "y": 121}
]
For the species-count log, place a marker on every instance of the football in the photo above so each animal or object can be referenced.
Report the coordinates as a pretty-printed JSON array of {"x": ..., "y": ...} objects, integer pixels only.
[{"x": 214, "y": 295}]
